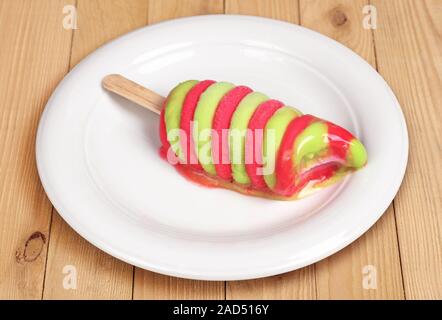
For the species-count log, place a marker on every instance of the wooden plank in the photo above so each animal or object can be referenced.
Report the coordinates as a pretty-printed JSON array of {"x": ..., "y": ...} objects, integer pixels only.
[
  {"x": 149, "y": 285},
  {"x": 100, "y": 21},
  {"x": 341, "y": 275},
  {"x": 340, "y": 20},
  {"x": 409, "y": 52},
  {"x": 34, "y": 57},
  {"x": 286, "y": 10},
  {"x": 160, "y": 10},
  {"x": 100, "y": 276},
  {"x": 299, "y": 284}
]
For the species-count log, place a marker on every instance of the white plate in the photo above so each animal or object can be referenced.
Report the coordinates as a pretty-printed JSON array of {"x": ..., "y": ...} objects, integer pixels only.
[{"x": 98, "y": 160}]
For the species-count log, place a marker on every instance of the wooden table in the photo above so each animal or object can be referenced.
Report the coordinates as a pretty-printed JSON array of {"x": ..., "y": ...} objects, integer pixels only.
[{"x": 404, "y": 247}]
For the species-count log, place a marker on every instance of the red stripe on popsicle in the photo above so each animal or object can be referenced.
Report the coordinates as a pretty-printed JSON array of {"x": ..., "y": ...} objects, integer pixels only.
[
  {"x": 253, "y": 144},
  {"x": 339, "y": 140},
  {"x": 221, "y": 121},
  {"x": 285, "y": 172},
  {"x": 187, "y": 113},
  {"x": 318, "y": 174},
  {"x": 165, "y": 145}
]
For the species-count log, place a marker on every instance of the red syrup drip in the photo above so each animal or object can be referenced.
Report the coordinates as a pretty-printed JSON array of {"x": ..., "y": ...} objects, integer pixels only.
[
  {"x": 195, "y": 176},
  {"x": 319, "y": 174},
  {"x": 188, "y": 172},
  {"x": 203, "y": 179}
]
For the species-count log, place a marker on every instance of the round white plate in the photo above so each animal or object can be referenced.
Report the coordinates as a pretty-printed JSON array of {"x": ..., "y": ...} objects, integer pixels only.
[{"x": 97, "y": 154}]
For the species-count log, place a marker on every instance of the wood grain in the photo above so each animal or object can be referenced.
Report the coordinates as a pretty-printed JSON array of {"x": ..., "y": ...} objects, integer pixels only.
[
  {"x": 286, "y": 10},
  {"x": 340, "y": 20},
  {"x": 409, "y": 51},
  {"x": 299, "y": 284},
  {"x": 160, "y": 10},
  {"x": 100, "y": 21},
  {"x": 34, "y": 57},
  {"x": 341, "y": 275},
  {"x": 100, "y": 276},
  {"x": 149, "y": 285}
]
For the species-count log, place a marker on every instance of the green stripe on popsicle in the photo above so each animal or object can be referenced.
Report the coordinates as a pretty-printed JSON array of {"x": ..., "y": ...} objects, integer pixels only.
[
  {"x": 273, "y": 134},
  {"x": 311, "y": 141},
  {"x": 357, "y": 155},
  {"x": 172, "y": 114},
  {"x": 204, "y": 112},
  {"x": 238, "y": 126}
]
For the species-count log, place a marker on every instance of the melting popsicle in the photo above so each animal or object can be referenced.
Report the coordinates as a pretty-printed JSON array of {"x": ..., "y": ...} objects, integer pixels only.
[
  {"x": 232, "y": 137},
  {"x": 221, "y": 135}
]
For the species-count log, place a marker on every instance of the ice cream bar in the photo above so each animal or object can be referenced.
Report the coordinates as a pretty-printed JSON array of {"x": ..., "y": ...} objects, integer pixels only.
[{"x": 228, "y": 136}]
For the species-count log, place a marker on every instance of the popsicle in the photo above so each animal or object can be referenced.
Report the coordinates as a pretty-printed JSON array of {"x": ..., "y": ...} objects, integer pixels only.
[{"x": 221, "y": 135}]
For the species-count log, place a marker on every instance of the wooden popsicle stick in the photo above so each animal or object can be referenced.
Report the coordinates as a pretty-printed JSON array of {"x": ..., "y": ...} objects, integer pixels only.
[{"x": 134, "y": 92}]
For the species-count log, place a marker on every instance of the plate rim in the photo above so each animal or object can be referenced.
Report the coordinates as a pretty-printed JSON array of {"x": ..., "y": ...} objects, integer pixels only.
[{"x": 239, "y": 276}]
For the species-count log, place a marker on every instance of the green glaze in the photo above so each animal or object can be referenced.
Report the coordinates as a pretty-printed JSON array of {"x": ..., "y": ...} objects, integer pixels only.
[
  {"x": 310, "y": 142},
  {"x": 238, "y": 126},
  {"x": 172, "y": 114},
  {"x": 273, "y": 134},
  {"x": 204, "y": 112},
  {"x": 357, "y": 155}
]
